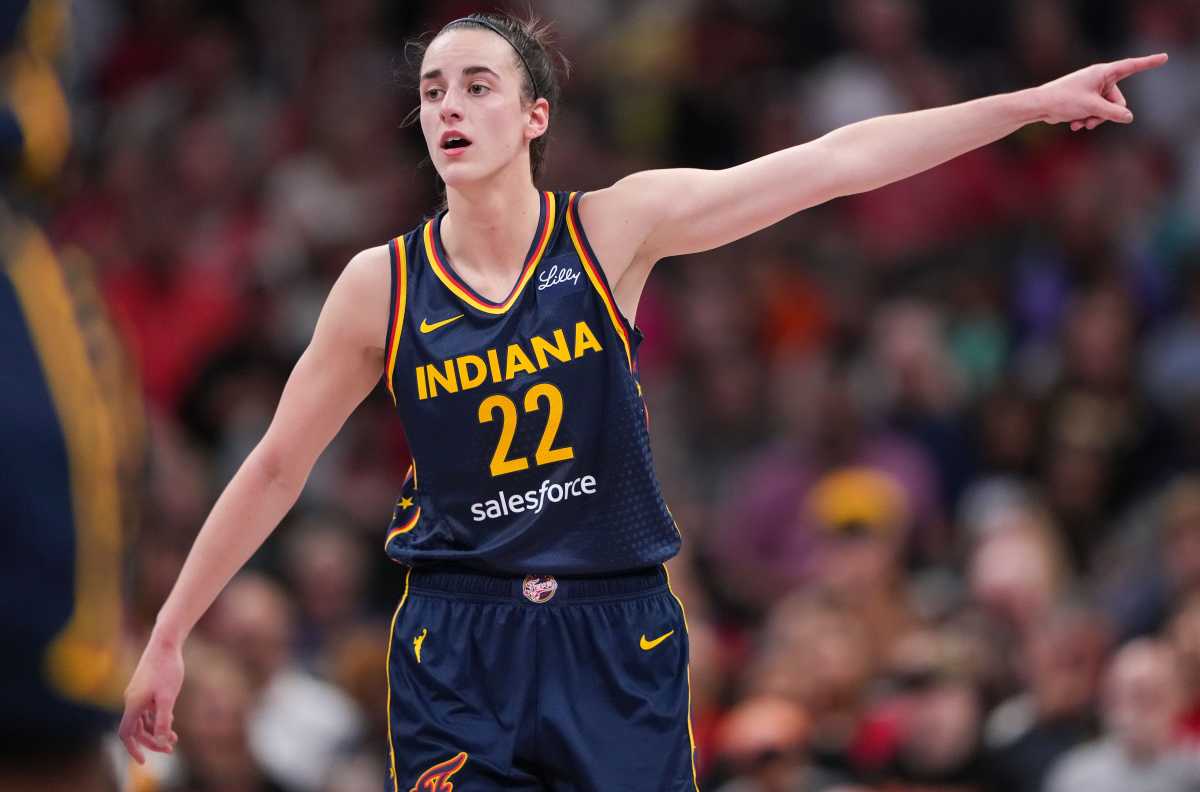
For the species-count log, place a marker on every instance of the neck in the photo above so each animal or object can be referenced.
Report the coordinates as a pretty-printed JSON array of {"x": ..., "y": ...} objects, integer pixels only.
[{"x": 487, "y": 228}]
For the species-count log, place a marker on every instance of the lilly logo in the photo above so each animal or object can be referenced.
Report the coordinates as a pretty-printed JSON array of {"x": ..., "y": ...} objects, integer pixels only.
[
  {"x": 555, "y": 276},
  {"x": 437, "y": 778}
]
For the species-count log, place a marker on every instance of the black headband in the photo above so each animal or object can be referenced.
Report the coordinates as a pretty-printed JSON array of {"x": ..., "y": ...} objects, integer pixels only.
[{"x": 492, "y": 26}]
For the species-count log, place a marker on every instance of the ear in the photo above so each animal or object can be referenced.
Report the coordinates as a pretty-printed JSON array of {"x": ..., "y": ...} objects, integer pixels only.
[{"x": 539, "y": 119}]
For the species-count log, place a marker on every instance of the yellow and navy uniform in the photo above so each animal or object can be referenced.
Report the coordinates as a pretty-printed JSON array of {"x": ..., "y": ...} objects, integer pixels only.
[
  {"x": 525, "y": 417},
  {"x": 71, "y": 429},
  {"x": 537, "y": 645}
]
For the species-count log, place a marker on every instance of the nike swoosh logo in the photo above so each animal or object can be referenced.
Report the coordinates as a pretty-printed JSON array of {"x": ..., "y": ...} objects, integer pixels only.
[
  {"x": 648, "y": 645},
  {"x": 426, "y": 327}
]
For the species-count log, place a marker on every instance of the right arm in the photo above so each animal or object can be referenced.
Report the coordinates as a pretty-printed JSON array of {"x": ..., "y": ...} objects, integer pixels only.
[{"x": 339, "y": 368}]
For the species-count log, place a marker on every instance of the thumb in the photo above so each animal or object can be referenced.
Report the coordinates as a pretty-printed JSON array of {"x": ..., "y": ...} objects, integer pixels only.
[
  {"x": 163, "y": 707},
  {"x": 1110, "y": 111}
]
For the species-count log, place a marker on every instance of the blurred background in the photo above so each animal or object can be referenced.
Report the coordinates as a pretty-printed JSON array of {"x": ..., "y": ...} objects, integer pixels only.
[{"x": 935, "y": 449}]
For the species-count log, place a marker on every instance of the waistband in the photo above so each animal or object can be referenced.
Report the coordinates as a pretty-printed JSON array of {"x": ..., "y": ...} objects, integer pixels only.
[{"x": 537, "y": 589}]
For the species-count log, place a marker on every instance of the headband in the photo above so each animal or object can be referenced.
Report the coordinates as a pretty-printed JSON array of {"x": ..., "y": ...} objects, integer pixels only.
[{"x": 478, "y": 19}]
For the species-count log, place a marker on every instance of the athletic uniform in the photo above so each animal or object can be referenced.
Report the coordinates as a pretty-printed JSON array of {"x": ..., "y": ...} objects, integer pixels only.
[
  {"x": 71, "y": 429},
  {"x": 536, "y": 645}
]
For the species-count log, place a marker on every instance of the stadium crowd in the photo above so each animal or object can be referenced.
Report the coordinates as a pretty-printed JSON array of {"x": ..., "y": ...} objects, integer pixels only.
[{"x": 933, "y": 449}]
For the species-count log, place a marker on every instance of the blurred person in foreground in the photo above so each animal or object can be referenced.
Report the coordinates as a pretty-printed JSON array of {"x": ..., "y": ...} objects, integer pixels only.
[
  {"x": 1143, "y": 698},
  {"x": 568, "y": 575},
  {"x": 70, "y": 450}
]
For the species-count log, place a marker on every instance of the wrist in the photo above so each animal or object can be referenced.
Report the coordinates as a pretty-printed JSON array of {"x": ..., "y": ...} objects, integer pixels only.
[
  {"x": 167, "y": 635},
  {"x": 1029, "y": 105}
]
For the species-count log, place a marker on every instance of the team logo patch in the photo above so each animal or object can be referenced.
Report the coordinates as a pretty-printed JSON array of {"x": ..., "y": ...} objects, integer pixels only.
[
  {"x": 437, "y": 778},
  {"x": 539, "y": 588}
]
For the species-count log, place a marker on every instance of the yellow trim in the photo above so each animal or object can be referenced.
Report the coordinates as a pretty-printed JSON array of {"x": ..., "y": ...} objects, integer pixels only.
[
  {"x": 403, "y": 529},
  {"x": 589, "y": 267},
  {"x": 401, "y": 300},
  {"x": 447, "y": 279},
  {"x": 83, "y": 662},
  {"x": 388, "y": 665},
  {"x": 691, "y": 733}
]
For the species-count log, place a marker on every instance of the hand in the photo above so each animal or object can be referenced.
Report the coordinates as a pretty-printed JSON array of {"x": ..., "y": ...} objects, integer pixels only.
[
  {"x": 1089, "y": 97},
  {"x": 150, "y": 701}
]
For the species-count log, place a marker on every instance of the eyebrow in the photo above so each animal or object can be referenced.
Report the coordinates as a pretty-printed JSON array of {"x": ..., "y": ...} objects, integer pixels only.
[{"x": 468, "y": 71}]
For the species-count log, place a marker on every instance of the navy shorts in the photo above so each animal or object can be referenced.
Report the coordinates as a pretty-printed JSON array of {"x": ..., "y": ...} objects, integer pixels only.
[{"x": 539, "y": 683}]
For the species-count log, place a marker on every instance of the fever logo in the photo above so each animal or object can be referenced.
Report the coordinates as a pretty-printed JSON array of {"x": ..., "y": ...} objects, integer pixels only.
[{"x": 437, "y": 778}]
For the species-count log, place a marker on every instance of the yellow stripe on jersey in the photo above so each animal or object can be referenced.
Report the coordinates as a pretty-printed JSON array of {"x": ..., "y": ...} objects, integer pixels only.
[
  {"x": 691, "y": 732},
  {"x": 399, "y": 256},
  {"x": 388, "y": 665},
  {"x": 405, "y": 528},
  {"x": 593, "y": 272},
  {"x": 463, "y": 292},
  {"x": 83, "y": 662}
]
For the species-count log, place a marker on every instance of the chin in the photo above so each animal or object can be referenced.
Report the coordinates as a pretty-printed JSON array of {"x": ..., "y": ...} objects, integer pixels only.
[{"x": 460, "y": 175}]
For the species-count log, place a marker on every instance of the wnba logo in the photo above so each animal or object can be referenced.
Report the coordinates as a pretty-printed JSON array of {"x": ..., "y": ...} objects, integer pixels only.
[{"x": 437, "y": 778}]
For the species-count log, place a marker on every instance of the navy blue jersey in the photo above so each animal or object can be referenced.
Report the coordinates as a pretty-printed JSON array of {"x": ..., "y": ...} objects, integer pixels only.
[
  {"x": 525, "y": 418},
  {"x": 70, "y": 425}
]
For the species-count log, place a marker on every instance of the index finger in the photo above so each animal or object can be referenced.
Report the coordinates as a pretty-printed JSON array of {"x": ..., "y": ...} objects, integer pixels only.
[
  {"x": 1123, "y": 68},
  {"x": 125, "y": 730}
]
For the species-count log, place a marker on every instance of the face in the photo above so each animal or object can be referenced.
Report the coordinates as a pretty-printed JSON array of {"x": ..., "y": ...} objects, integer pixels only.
[
  {"x": 474, "y": 117},
  {"x": 1142, "y": 700}
]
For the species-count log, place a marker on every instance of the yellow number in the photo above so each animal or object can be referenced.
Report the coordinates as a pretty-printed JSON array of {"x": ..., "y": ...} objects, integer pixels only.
[
  {"x": 508, "y": 428},
  {"x": 545, "y": 453}
]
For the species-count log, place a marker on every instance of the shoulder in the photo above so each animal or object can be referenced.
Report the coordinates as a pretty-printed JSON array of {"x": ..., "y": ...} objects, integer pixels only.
[
  {"x": 368, "y": 275},
  {"x": 619, "y": 218},
  {"x": 1082, "y": 767},
  {"x": 626, "y": 201},
  {"x": 357, "y": 306}
]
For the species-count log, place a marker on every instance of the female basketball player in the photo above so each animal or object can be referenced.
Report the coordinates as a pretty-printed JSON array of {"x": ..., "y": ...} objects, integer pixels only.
[{"x": 536, "y": 645}]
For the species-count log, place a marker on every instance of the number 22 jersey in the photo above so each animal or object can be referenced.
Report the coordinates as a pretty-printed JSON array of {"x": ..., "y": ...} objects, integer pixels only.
[{"x": 526, "y": 420}]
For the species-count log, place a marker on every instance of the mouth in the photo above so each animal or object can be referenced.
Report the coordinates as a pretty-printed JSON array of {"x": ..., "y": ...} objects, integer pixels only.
[{"x": 454, "y": 143}]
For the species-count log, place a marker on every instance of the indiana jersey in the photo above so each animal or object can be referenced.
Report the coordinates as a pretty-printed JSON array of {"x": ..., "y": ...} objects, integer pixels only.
[
  {"x": 70, "y": 419},
  {"x": 525, "y": 417}
]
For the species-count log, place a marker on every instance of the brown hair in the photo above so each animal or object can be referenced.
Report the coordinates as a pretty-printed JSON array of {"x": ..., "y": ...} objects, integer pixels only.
[{"x": 538, "y": 61}]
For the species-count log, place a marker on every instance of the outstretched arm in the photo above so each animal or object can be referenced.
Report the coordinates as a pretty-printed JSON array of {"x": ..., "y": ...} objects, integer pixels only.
[
  {"x": 656, "y": 214},
  {"x": 338, "y": 369}
]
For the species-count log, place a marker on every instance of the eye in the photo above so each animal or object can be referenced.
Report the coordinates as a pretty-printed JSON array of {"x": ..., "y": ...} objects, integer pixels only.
[
  {"x": 432, "y": 94},
  {"x": 478, "y": 89}
]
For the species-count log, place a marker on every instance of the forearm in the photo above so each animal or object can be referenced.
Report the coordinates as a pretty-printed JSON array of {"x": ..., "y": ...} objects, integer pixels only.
[
  {"x": 882, "y": 150},
  {"x": 252, "y": 505}
]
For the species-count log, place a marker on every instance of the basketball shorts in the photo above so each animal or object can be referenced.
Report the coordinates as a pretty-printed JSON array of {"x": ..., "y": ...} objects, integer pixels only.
[{"x": 539, "y": 683}]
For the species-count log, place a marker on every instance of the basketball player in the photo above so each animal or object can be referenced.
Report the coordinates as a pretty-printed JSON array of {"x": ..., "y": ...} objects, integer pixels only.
[
  {"x": 70, "y": 450},
  {"x": 536, "y": 645}
]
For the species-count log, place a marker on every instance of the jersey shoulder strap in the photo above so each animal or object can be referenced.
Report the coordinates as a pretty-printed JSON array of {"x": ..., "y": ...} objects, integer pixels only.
[
  {"x": 595, "y": 274},
  {"x": 399, "y": 254}
]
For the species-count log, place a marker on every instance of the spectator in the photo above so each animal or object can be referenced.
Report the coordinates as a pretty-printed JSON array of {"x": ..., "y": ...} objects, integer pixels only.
[
  {"x": 297, "y": 723},
  {"x": 1062, "y": 661},
  {"x": 1142, "y": 700}
]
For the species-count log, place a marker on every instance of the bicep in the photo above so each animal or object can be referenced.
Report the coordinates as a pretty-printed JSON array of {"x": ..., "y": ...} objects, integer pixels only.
[
  {"x": 337, "y": 371},
  {"x": 689, "y": 210}
]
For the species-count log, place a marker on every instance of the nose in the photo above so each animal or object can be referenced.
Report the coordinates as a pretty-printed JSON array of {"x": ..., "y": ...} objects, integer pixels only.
[{"x": 450, "y": 108}]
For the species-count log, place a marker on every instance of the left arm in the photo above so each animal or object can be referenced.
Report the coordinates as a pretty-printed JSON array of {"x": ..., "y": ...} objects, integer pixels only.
[{"x": 655, "y": 214}]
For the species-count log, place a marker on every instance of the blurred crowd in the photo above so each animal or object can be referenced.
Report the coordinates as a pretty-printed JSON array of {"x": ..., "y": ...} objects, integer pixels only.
[{"x": 935, "y": 449}]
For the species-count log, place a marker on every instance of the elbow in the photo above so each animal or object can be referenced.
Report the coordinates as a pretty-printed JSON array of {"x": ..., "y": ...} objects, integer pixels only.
[
  {"x": 275, "y": 469},
  {"x": 844, "y": 170}
]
